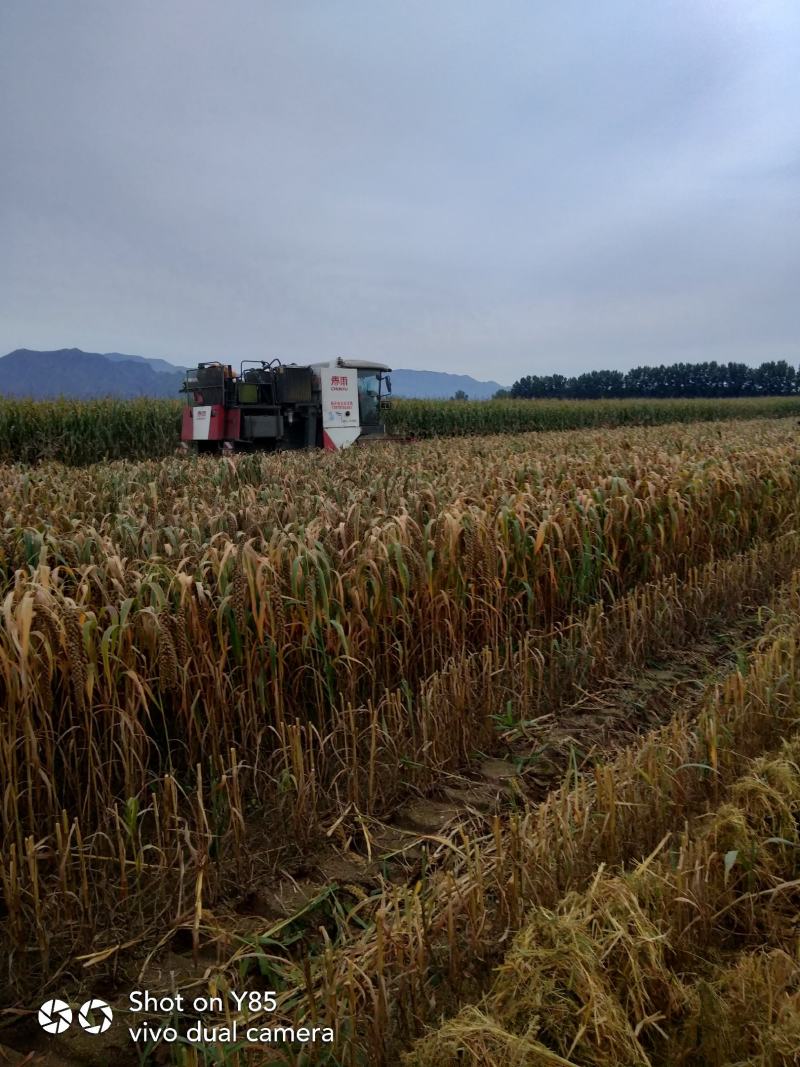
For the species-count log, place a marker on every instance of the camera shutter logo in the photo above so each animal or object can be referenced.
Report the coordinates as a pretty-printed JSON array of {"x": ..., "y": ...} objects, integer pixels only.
[
  {"x": 95, "y": 1016},
  {"x": 55, "y": 1016}
]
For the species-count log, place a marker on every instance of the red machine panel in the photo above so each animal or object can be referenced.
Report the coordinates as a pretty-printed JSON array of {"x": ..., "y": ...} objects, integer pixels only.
[
  {"x": 233, "y": 424},
  {"x": 203, "y": 423}
]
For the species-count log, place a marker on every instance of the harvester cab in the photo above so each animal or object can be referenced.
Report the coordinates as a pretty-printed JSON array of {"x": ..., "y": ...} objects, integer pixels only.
[{"x": 275, "y": 406}]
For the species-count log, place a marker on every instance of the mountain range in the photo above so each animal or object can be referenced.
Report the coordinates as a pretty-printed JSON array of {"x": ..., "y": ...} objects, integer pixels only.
[{"x": 70, "y": 372}]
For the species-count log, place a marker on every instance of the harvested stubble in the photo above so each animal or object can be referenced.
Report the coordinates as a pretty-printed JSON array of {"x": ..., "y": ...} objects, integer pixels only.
[
  {"x": 635, "y": 968},
  {"x": 747, "y": 1012},
  {"x": 157, "y": 671}
]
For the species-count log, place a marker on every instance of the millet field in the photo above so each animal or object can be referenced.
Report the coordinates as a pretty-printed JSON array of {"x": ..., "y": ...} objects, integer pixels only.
[{"x": 480, "y": 750}]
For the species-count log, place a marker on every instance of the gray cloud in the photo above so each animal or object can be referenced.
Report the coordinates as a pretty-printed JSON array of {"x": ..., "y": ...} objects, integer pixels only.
[{"x": 495, "y": 188}]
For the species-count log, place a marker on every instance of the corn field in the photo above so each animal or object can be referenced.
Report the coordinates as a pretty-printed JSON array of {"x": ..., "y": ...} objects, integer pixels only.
[
  {"x": 78, "y": 432},
  {"x": 431, "y": 418},
  {"x": 370, "y": 724},
  {"x": 87, "y": 431}
]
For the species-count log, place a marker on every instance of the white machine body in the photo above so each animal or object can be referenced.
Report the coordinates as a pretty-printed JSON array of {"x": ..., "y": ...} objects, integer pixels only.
[
  {"x": 341, "y": 409},
  {"x": 201, "y": 422}
]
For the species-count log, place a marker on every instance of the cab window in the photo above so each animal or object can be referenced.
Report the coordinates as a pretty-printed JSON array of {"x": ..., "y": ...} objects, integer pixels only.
[{"x": 368, "y": 398}]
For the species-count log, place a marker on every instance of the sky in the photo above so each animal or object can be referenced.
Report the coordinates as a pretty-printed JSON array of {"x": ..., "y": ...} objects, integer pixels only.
[{"x": 495, "y": 188}]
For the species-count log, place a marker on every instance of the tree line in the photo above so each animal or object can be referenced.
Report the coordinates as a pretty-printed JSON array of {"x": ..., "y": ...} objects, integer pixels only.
[{"x": 777, "y": 378}]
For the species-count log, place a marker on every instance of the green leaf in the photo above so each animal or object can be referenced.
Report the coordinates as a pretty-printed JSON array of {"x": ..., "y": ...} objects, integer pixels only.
[{"x": 730, "y": 859}]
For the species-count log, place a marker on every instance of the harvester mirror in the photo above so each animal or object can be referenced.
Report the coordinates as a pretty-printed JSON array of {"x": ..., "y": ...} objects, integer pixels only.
[{"x": 388, "y": 384}]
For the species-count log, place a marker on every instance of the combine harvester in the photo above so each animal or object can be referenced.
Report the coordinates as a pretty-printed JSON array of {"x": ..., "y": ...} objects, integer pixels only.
[{"x": 274, "y": 407}]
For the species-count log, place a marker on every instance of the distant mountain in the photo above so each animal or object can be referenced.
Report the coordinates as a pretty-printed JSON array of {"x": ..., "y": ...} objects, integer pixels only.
[
  {"x": 160, "y": 365},
  {"x": 435, "y": 385},
  {"x": 72, "y": 372}
]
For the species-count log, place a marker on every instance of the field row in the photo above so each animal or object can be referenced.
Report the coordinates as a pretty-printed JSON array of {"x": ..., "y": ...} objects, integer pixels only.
[
  {"x": 89, "y": 431},
  {"x": 98, "y": 867},
  {"x": 614, "y": 973},
  {"x": 159, "y": 665},
  {"x": 170, "y": 509},
  {"x": 426, "y": 947},
  {"x": 392, "y": 960}
]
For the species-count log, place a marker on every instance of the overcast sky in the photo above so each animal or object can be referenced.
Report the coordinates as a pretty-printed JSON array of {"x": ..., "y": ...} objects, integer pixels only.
[{"x": 495, "y": 188}]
